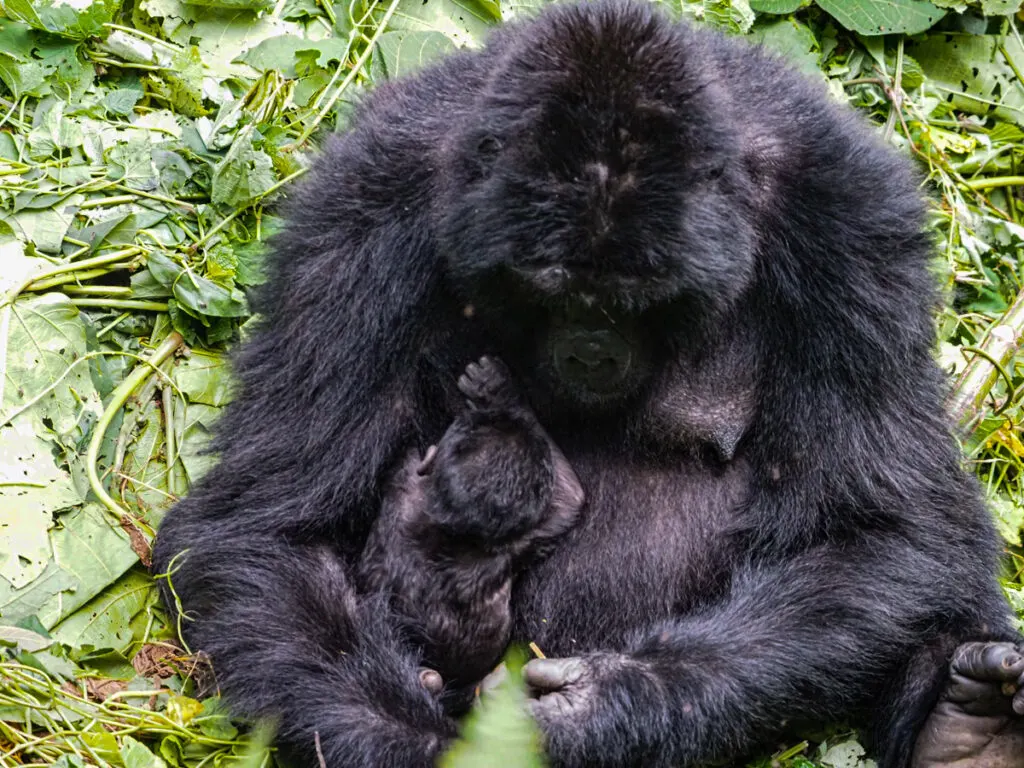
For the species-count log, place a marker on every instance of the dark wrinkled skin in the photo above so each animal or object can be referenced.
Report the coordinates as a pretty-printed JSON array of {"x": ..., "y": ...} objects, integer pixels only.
[
  {"x": 458, "y": 526},
  {"x": 978, "y": 721},
  {"x": 711, "y": 286}
]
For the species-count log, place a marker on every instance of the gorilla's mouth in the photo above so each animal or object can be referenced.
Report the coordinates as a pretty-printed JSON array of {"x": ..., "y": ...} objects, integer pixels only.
[{"x": 595, "y": 359}]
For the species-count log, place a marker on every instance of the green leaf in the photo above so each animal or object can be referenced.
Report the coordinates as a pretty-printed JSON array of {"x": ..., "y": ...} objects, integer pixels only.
[
  {"x": 110, "y": 619},
  {"x": 46, "y": 391},
  {"x": 131, "y": 163},
  {"x": 234, "y": 5},
  {"x": 282, "y": 52},
  {"x": 401, "y": 53},
  {"x": 244, "y": 175},
  {"x": 1009, "y": 518},
  {"x": 122, "y": 101},
  {"x": 794, "y": 40},
  {"x": 204, "y": 378},
  {"x": 883, "y": 17},
  {"x": 500, "y": 732},
  {"x": 35, "y": 64},
  {"x": 195, "y": 429},
  {"x": 205, "y": 297},
  {"x": 135, "y": 754},
  {"x": 972, "y": 74},
  {"x": 25, "y": 639},
  {"x": 89, "y": 553},
  {"x": 77, "y": 19},
  {"x": 464, "y": 22},
  {"x": 777, "y": 7}
]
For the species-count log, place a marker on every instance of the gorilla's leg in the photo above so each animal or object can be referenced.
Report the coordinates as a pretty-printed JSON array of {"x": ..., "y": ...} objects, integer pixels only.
[
  {"x": 294, "y": 642},
  {"x": 979, "y": 719},
  {"x": 457, "y": 526}
]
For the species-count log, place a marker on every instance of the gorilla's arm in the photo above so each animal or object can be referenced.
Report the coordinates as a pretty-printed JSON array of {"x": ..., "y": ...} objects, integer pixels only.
[
  {"x": 262, "y": 548},
  {"x": 802, "y": 639},
  {"x": 294, "y": 643}
]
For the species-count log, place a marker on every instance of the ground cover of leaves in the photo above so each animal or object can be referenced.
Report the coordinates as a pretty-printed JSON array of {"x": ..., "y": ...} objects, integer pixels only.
[{"x": 142, "y": 146}]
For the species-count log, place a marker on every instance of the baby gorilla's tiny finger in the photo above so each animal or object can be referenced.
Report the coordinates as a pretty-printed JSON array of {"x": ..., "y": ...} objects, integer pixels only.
[
  {"x": 545, "y": 675},
  {"x": 996, "y": 662}
]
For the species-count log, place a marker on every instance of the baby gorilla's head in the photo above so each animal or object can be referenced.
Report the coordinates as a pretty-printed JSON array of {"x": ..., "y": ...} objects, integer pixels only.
[{"x": 479, "y": 469}]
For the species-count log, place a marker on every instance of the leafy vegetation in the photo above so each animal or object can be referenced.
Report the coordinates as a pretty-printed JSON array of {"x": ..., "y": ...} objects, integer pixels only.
[{"x": 142, "y": 144}]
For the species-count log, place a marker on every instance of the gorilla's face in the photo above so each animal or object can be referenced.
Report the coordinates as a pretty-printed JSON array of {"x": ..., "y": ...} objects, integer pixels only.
[{"x": 588, "y": 201}]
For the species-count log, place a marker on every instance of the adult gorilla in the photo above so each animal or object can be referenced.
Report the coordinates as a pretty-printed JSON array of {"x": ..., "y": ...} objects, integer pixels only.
[{"x": 710, "y": 285}]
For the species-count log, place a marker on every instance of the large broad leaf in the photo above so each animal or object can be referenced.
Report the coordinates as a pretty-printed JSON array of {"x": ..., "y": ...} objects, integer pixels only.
[
  {"x": 400, "y": 53},
  {"x": 971, "y": 73},
  {"x": 36, "y": 64},
  {"x": 77, "y": 19},
  {"x": 464, "y": 22},
  {"x": 282, "y": 53},
  {"x": 89, "y": 552},
  {"x": 42, "y": 343},
  {"x": 883, "y": 17},
  {"x": 109, "y": 619}
]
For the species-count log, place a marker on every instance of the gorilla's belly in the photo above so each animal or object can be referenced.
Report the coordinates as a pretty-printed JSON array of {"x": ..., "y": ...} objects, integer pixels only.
[{"x": 654, "y": 542}]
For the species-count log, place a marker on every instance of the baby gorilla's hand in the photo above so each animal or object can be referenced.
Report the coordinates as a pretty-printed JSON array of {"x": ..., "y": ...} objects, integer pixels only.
[
  {"x": 979, "y": 719},
  {"x": 488, "y": 385}
]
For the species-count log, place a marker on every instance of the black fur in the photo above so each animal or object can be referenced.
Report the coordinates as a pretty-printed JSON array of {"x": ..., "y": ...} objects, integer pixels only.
[
  {"x": 457, "y": 527},
  {"x": 650, "y": 224}
]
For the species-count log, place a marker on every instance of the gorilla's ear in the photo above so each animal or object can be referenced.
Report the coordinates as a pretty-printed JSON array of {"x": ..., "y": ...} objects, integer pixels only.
[{"x": 329, "y": 378}]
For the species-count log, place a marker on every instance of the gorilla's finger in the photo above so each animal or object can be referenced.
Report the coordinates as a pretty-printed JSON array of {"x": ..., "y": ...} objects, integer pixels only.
[
  {"x": 996, "y": 662},
  {"x": 1018, "y": 700},
  {"x": 545, "y": 675},
  {"x": 965, "y": 690},
  {"x": 431, "y": 680}
]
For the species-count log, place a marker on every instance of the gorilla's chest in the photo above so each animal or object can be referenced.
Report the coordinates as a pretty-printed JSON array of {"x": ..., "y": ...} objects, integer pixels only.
[{"x": 654, "y": 542}]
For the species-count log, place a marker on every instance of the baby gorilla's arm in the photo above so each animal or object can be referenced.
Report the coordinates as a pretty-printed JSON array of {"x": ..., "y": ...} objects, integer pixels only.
[
  {"x": 456, "y": 527},
  {"x": 979, "y": 719}
]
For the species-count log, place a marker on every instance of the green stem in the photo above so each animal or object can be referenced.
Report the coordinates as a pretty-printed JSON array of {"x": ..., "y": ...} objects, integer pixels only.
[
  {"x": 117, "y": 400},
  {"x": 152, "y": 306},
  {"x": 351, "y": 76},
  {"x": 99, "y": 290},
  {"x": 967, "y": 398},
  {"x": 991, "y": 182},
  {"x": 75, "y": 277}
]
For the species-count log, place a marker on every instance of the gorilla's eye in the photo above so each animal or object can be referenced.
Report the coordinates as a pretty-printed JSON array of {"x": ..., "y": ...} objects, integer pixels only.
[
  {"x": 715, "y": 172},
  {"x": 488, "y": 147}
]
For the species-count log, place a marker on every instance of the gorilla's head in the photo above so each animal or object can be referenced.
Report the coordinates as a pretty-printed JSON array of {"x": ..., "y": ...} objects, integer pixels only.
[{"x": 595, "y": 194}]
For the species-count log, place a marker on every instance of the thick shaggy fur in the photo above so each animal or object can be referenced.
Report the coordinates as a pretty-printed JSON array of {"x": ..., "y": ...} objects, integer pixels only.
[{"x": 820, "y": 563}]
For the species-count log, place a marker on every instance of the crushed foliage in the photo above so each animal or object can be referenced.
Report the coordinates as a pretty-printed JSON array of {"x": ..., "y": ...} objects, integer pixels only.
[{"x": 142, "y": 143}]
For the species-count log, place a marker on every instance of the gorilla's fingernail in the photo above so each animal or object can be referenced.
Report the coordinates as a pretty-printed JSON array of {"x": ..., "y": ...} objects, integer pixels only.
[
  {"x": 1012, "y": 660},
  {"x": 431, "y": 680}
]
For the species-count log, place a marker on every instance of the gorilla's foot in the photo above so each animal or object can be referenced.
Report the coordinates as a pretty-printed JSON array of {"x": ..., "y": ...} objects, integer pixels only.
[{"x": 979, "y": 719}]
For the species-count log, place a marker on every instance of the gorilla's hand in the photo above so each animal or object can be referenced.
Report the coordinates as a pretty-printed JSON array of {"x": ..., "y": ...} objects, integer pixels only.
[
  {"x": 586, "y": 708},
  {"x": 979, "y": 719}
]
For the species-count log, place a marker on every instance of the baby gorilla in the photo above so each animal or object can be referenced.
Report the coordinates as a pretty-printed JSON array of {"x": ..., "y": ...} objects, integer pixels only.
[
  {"x": 977, "y": 723},
  {"x": 458, "y": 525}
]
